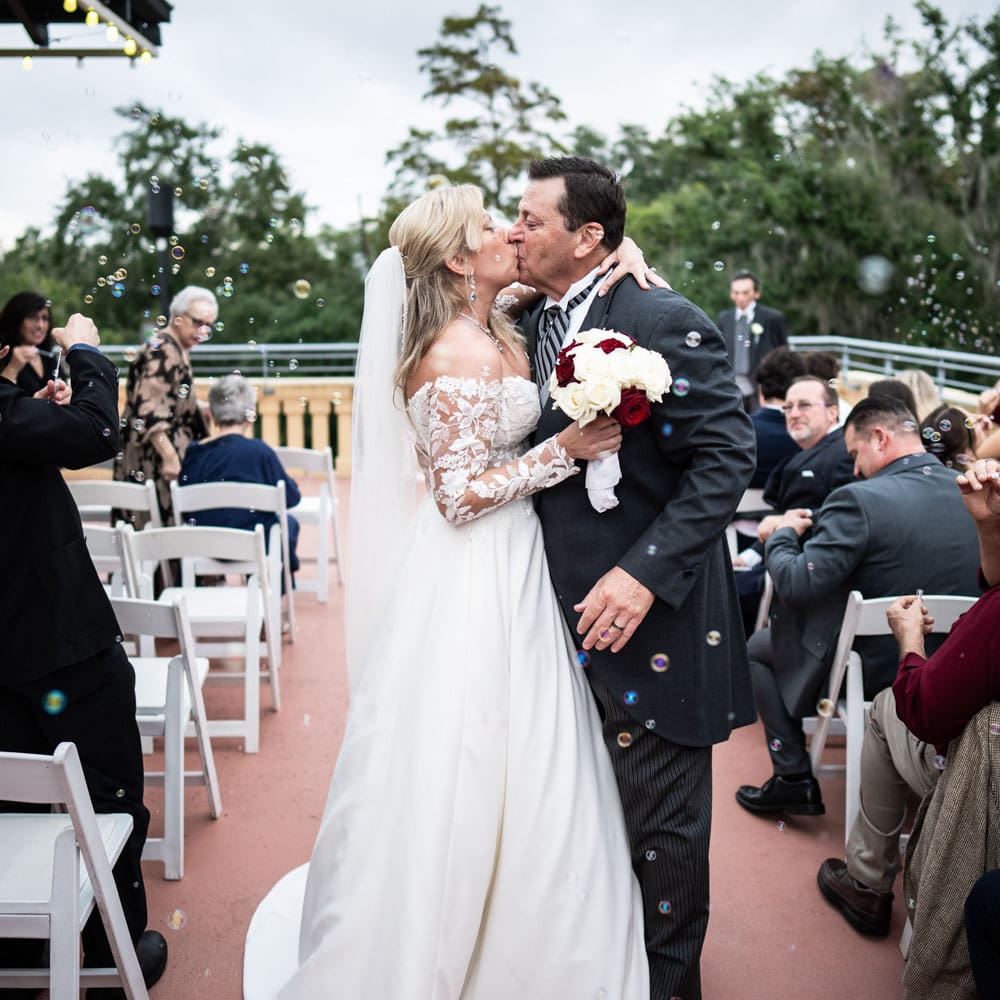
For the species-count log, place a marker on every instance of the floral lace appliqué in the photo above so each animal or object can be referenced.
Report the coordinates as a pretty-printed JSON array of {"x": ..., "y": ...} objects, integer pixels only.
[{"x": 471, "y": 433}]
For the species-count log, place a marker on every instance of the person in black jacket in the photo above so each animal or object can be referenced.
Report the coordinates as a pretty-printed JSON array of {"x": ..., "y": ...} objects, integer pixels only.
[{"x": 63, "y": 673}]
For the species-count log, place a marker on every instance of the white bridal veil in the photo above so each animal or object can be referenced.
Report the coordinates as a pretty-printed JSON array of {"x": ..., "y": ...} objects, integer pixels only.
[{"x": 384, "y": 471}]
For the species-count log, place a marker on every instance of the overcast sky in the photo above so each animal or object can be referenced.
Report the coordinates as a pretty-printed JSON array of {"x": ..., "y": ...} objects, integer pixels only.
[{"x": 332, "y": 85}]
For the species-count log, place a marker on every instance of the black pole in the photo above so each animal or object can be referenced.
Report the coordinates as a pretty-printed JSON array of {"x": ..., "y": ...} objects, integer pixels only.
[{"x": 160, "y": 222}]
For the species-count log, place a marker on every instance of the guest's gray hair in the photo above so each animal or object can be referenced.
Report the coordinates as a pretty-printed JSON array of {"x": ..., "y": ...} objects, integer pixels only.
[
  {"x": 233, "y": 401},
  {"x": 186, "y": 298}
]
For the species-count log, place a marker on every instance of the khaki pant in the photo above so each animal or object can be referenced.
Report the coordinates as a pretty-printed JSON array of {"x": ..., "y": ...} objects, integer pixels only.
[{"x": 893, "y": 761}]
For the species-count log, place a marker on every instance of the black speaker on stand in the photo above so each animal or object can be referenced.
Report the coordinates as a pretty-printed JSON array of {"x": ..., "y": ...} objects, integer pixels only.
[{"x": 160, "y": 222}]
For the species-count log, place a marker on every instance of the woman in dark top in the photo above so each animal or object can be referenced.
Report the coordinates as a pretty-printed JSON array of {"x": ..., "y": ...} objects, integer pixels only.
[
  {"x": 231, "y": 456},
  {"x": 26, "y": 324}
]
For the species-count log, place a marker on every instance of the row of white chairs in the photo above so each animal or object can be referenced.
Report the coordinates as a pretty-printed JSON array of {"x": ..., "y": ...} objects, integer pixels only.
[{"x": 96, "y": 498}]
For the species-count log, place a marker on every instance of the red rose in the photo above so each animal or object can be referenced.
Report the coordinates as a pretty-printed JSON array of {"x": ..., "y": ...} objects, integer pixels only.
[
  {"x": 633, "y": 408},
  {"x": 565, "y": 369},
  {"x": 611, "y": 344}
]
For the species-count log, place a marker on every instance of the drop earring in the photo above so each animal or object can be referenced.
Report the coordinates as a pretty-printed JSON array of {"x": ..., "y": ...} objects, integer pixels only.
[{"x": 472, "y": 285}]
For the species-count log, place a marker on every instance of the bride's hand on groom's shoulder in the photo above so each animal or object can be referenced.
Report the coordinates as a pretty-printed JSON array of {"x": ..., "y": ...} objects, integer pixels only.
[
  {"x": 612, "y": 610},
  {"x": 630, "y": 260}
]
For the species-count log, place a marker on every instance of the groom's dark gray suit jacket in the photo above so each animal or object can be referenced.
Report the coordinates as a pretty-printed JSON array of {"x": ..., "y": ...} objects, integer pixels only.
[{"x": 683, "y": 473}]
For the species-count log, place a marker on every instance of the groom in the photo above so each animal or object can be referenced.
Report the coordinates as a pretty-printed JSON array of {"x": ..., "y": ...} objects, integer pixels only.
[{"x": 647, "y": 586}]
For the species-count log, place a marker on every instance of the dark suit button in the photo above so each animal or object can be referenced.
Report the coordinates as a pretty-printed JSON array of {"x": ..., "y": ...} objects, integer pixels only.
[{"x": 687, "y": 572}]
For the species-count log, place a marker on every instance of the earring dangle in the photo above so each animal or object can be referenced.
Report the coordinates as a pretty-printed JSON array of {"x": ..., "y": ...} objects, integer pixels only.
[{"x": 472, "y": 286}]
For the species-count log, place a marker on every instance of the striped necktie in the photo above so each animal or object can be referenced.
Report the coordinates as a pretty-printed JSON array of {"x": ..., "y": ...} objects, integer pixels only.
[{"x": 554, "y": 325}]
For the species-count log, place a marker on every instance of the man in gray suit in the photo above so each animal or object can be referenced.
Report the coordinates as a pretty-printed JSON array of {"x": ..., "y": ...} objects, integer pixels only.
[
  {"x": 882, "y": 536},
  {"x": 648, "y": 585}
]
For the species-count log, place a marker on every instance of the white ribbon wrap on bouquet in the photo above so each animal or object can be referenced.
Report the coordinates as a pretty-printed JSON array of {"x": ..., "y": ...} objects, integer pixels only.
[{"x": 603, "y": 475}]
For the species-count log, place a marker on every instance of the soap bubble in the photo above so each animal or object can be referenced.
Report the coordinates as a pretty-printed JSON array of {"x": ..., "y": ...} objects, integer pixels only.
[{"x": 874, "y": 274}]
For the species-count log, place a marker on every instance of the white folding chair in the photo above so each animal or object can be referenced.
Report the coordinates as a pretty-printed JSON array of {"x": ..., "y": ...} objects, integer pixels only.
[
  {"x": 863, "y": 618},
  {"x": 225, "y": 620},
  {"x": 104, "y": 546},
  {"x": 320, "y": 510},
  {"x": 95, "y": 499},
  {"x": 168, "y": 700},
  {"x": 751, "y": 501},
  {"x": 56, "y": 868},
  {"x": 189, "y": 501}
]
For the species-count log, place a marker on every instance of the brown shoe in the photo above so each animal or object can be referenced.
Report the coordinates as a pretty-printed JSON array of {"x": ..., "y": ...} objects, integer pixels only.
[{"x": 868, "y": 911}]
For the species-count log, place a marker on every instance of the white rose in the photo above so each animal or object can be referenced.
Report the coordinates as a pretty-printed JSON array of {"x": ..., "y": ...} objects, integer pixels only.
[
  {"x": 572, "y": 400},
  {"x": 588, "y": 362},
  {"x": 621, "y": 367},
  {"x": 603, "y": 393},
  {"x": 756, "y": 329},
  {"x": 654, "y": 374}
]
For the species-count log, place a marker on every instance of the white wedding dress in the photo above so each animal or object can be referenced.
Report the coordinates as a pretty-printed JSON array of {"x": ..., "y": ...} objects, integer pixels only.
[{"x": 473, "y": 844}]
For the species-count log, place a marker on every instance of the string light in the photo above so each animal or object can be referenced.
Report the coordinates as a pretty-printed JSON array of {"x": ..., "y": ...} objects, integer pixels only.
[
  {"x": 112, "y": 32},
  {"x": 93, "y": 19},
  {"x": 69, "y": 6},
  {"x": 130, "y": 47},
  {"x": 146, "y": 56},
  {"x": 26, "y": 63}
]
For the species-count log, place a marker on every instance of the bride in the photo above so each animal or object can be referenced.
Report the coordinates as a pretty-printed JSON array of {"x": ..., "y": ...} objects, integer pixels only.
[{"x": 472, "y": 844}]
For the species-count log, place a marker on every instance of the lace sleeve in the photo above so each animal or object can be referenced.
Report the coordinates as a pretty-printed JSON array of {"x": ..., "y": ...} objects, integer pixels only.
[{"x": 463, "y": 421}]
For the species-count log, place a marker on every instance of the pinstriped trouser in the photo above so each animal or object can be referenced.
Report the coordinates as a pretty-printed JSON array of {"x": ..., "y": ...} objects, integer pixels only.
[{"x": 666, "y": 792}]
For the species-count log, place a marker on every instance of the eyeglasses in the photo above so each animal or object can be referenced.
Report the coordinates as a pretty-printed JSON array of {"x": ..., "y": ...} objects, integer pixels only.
[
  {"x": 803, "y": 407},
  {"x": 201, "y": 323}
]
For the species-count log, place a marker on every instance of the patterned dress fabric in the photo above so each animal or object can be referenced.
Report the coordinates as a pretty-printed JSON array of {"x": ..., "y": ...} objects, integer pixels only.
[{"x": 160, "y": 398}]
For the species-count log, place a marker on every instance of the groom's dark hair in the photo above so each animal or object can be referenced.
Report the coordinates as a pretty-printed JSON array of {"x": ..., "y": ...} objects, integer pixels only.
[{"x": 593, "y": 194}]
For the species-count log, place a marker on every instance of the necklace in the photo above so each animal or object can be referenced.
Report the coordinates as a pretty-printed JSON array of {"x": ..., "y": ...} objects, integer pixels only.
[{"x": 484, "y": 328}]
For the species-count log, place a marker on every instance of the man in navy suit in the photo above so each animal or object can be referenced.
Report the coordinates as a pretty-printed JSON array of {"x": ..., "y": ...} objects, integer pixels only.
[
  {"x": 775, "y": 373},
  {"x": 647, "y": 586},
  {"x": 751, "y": 331}
]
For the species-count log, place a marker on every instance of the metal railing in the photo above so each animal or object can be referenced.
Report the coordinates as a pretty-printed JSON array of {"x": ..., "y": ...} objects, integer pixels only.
[
  {"x": 259, "y": 361},
  {"x": 968, "y": 372}
]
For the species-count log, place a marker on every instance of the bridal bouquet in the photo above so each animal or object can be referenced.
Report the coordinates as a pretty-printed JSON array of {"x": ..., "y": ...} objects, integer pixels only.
[{"x": 603, "y": 371}]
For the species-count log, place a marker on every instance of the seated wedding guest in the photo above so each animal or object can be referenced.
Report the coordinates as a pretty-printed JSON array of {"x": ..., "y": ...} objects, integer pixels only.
[
  {"x": 947, "y": 434},
  {"x": 63, "y": 673},
  {"x": 925, "y": 392},
  {"x": 802, "y": 480},
  {"x": 775, "y": 373},
  {"x": 897, "y": 390},
  {"x": 162, "y": 416},
  {"x": 937, "y": 698},
  {"x": 26, "y": 327},
  {"x": 233, "y": 455},
  {"x": 825, "y": 365},
  {"x": 894, "y": 760},
  {"x": 876, "y": 535}
]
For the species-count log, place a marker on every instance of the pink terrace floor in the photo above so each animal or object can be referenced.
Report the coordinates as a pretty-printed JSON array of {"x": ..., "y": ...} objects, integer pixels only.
[{"x": 771, "y": 934}]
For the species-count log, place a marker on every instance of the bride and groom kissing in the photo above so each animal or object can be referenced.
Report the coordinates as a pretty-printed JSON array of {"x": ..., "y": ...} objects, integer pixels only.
[{"x": 522, "y": 803}]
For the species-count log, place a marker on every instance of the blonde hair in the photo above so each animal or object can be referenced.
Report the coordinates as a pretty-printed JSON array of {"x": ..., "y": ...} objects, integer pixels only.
[
  {"x": 444, "y": 223},
  {"x": 925, "y": 393}
]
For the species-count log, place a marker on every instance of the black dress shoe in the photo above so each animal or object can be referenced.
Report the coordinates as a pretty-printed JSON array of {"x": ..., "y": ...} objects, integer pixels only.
[
  {"x": 151, "y": 951},
  {"x": 800, "y": 797},
  {"x": 868, "y": 911}
]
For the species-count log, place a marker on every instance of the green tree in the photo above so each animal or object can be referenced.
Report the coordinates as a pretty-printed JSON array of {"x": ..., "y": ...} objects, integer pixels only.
[
  {"x": 503, "y": 123},
  {"x": 239, "y": 231}
]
